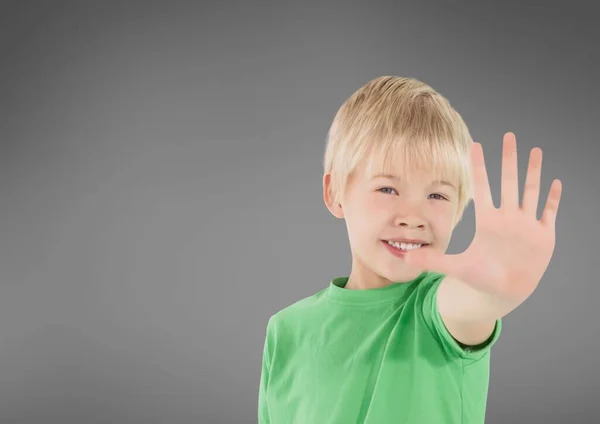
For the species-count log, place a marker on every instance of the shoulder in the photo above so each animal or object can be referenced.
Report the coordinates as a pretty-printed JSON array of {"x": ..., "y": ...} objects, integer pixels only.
[
  {"x": 426, "y": 287},
  {"x": 427, "y": 308},
  {"x": 297, "y": 313}
]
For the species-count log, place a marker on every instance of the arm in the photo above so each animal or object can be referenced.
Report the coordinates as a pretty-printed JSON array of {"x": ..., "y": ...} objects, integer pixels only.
[
  {"x": 470, "y": 315},
  {"x": 508, "y": 255},
  {"x": 263, "y": 407}
]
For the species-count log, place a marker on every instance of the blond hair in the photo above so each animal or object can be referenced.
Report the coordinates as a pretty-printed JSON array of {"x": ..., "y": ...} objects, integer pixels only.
[{"x": 399, "y": 126}]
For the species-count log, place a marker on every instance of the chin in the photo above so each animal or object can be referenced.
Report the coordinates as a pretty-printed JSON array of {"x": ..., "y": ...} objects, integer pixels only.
[
  {"x": 406, "y": 274},
  {"x": 409, "y": 275}
]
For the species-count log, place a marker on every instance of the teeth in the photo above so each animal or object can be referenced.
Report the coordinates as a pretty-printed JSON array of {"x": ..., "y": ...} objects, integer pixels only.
[{"x": 404, "y": 246}]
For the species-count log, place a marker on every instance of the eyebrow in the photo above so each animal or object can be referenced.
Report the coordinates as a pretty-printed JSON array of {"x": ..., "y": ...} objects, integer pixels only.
[
  {"x": 393, "y": 177},
  {"x": 396, "y": 177},
  {"x": 444, "y": 183}
]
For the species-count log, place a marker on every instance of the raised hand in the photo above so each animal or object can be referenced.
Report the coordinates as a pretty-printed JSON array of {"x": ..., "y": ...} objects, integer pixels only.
[{"x": 511, "y": 249}]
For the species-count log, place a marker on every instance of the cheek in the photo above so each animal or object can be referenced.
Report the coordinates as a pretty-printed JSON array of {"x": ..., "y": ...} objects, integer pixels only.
[
  {"x": 441, "y": 216},
  {"x": 381, "y": 201},
  {"x": 378, "y": 207},
  {"x": 443, "y": 224}
]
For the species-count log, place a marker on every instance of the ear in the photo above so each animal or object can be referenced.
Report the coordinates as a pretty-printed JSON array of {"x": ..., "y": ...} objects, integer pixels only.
[{"x": 335, "y": 209}]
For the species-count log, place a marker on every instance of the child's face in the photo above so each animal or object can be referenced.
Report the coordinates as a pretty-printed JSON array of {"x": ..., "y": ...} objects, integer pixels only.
[{"x": 383, "y": 208}]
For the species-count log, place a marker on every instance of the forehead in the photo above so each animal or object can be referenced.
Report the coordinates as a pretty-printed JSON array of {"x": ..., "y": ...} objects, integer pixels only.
[{"x": 410, "y": 169}]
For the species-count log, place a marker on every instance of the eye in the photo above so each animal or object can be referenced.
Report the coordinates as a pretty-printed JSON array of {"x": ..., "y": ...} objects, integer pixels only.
[
  {"x": 437, "y": 194},
  {"x": 386, "y": 188}
]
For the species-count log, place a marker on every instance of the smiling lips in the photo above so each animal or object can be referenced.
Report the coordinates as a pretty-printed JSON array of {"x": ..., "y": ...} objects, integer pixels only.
[
  {"x": 406, "y": 243},
  {"x": 399, "y": 248}
]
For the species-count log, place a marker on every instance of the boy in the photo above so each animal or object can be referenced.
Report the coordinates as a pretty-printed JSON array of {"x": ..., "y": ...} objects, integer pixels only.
[{"x": 406, "y": 337}]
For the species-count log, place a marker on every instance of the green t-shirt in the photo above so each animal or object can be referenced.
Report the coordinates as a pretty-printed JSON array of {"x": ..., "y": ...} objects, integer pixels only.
[{"x": 373, "y": 356}]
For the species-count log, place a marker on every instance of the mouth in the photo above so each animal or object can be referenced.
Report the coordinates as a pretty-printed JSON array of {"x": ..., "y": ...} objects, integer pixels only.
[{"x": 403, "y": 246}]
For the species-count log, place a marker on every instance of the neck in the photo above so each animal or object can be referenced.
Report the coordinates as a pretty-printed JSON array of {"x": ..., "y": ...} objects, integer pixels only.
[
  {"x": 371, "y": 280},
  {"x": 360, "y": 284}
]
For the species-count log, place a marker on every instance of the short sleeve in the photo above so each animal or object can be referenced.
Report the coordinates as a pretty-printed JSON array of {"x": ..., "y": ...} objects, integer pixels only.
[
  {"x": 267, "y": 354},
  {"x": 429, "y": 307}
]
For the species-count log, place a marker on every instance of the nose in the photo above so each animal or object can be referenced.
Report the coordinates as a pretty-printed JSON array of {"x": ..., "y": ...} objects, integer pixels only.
[
  {"x": 409, "y": 217},
  {"x": 410, "y": 222}
]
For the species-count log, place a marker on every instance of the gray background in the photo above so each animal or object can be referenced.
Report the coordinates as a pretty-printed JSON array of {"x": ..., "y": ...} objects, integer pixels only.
[{"x": 160, "y": 187}]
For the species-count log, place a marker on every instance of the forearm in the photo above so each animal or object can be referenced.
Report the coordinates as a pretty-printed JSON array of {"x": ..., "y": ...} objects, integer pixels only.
[{"x": 461, "y": 303}]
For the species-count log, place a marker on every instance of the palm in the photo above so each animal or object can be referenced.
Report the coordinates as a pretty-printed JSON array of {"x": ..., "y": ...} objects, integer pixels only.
[{"x": 511, "y": 248}]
